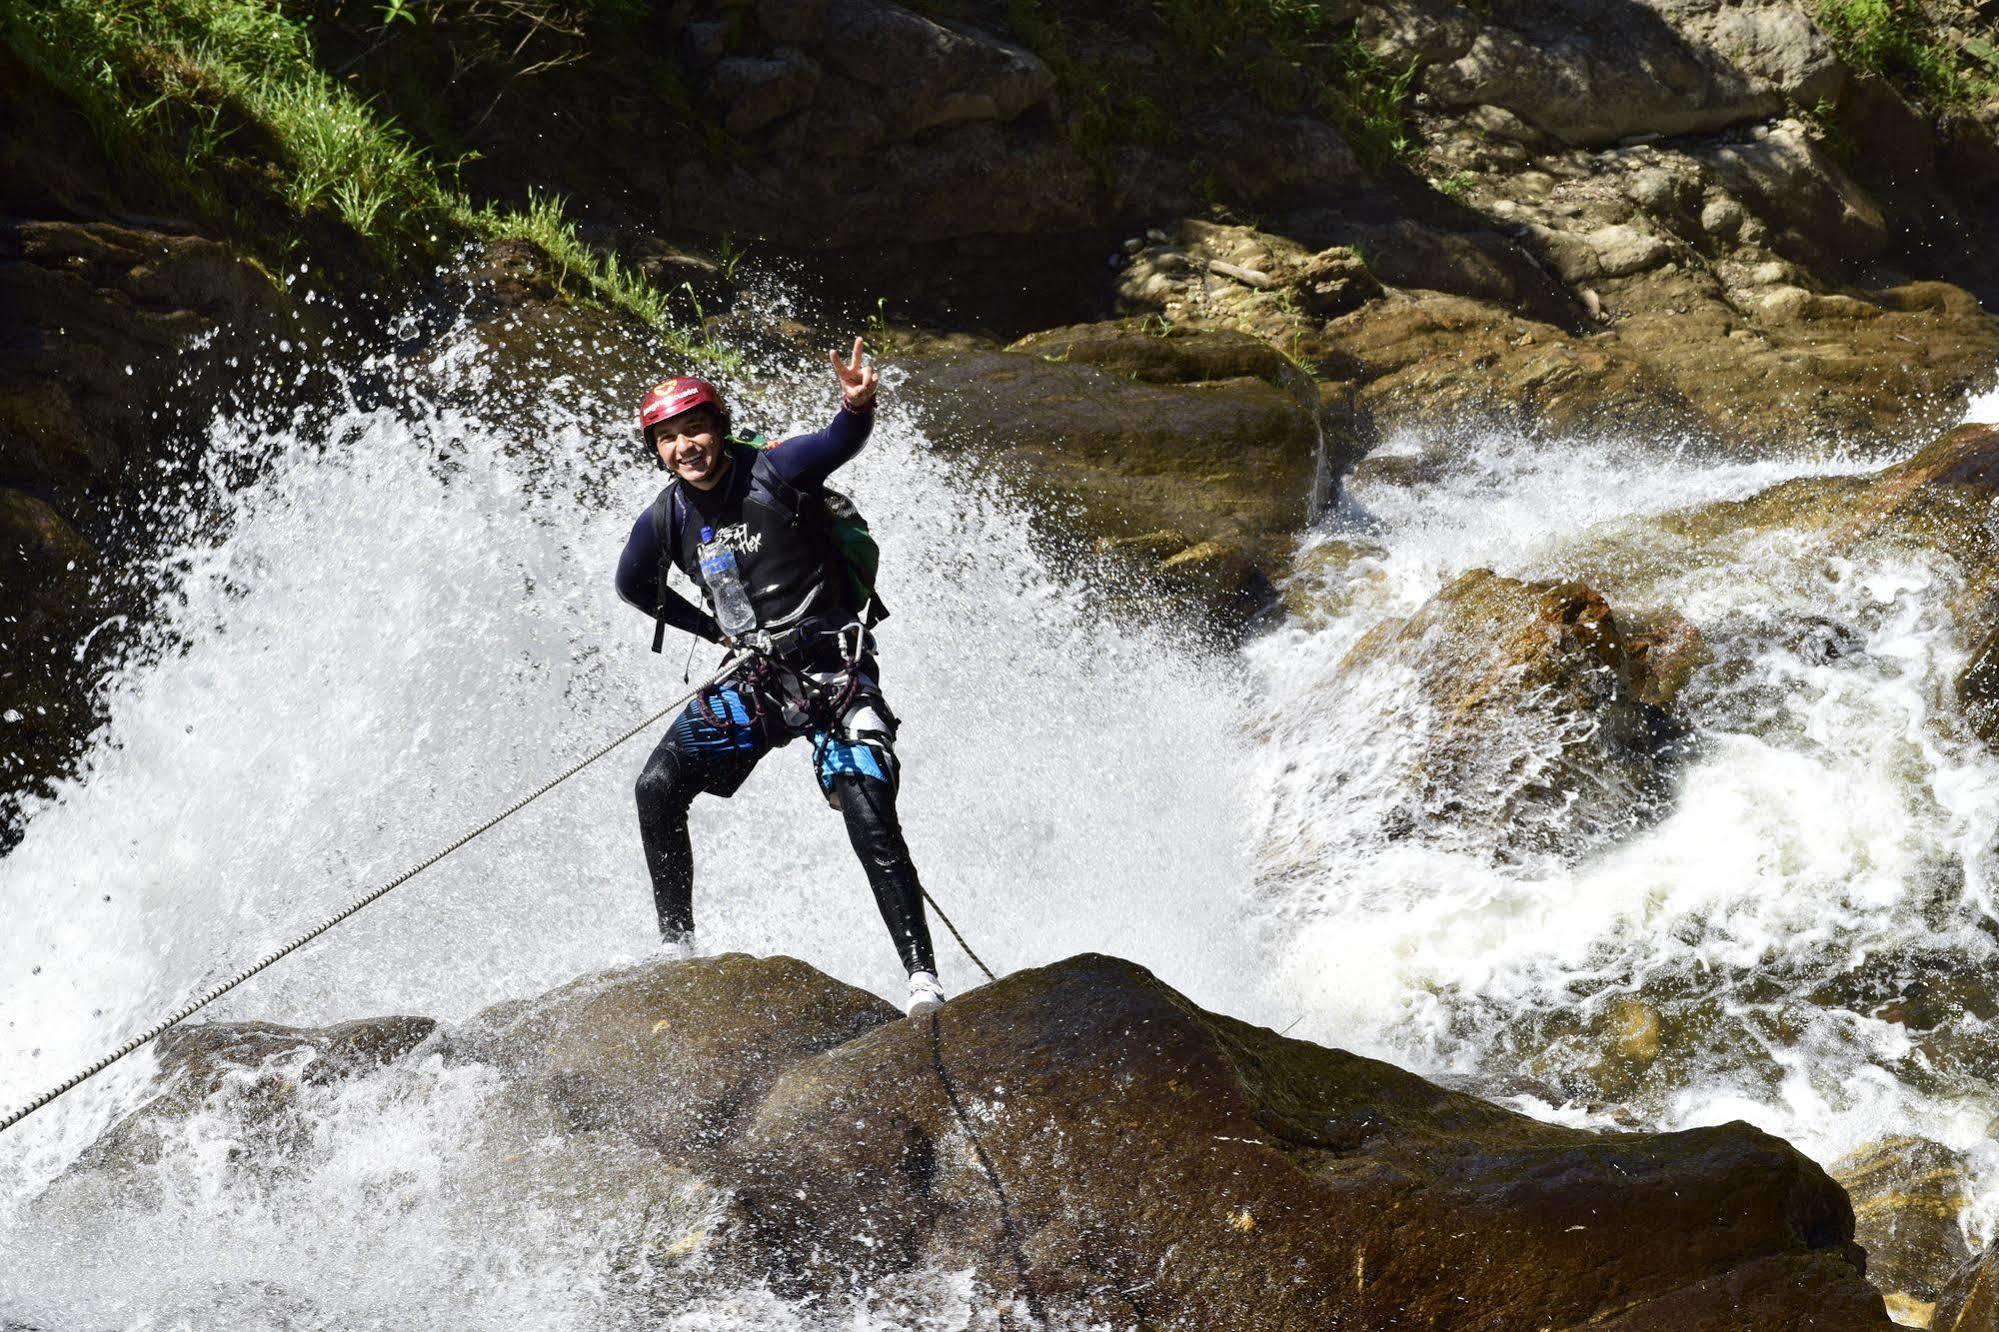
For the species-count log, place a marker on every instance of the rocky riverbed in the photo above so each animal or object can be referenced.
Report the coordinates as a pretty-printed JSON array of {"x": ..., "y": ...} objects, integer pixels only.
[
  {"x": 1088, "y": 1145},
  {"x": 1500, "y": 455}
]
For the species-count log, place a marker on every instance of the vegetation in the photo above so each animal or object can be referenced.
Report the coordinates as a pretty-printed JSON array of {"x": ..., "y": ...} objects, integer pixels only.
[
  {"x": 1289, "y": 53},
  {"x": 1893, "y": 40},
  {"x": 225, "y": 102}
]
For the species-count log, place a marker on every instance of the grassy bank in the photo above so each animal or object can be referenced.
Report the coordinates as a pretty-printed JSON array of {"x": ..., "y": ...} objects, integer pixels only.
[{"x": 226, "y": 103}]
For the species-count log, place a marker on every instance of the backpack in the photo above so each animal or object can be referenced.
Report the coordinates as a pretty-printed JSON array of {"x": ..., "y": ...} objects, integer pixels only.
[{"x": 831, "y": 514}]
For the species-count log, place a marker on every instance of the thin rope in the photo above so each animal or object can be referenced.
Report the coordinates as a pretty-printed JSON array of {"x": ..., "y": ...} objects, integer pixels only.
[
  {"x": 947, "y": 925},
  {"x": 727, "y": 668}
]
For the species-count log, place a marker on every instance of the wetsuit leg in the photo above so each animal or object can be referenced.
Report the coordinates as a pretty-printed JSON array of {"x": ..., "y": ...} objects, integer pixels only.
[
  {"x": 710, "y": 747},
  {"x": 868, "y": 804},
  {"x": 858, "y": 767}
]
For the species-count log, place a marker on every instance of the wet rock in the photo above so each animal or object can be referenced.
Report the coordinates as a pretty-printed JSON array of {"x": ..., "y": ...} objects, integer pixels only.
[
  {"x": 670, "y": 1053},
  {"x": 1970, "y": 1302},
  {"x": 1539, "y": 716},
  {"x": 1064, "y": 1130},
  {"x": 47, "y": 601},
  {"x": 1228, "y": 464},
  {"x": 101, "y": 313},
  {"x": 1084, "y": 1141},
  {"x": 1907, "y": 1196},
  {"x": 258, "y": 1070}
]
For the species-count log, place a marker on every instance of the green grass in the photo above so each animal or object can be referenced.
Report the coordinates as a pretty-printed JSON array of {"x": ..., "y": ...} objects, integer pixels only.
[
  {"x": 1892, "y": 40},
  {"x": 225, "y": 103}
]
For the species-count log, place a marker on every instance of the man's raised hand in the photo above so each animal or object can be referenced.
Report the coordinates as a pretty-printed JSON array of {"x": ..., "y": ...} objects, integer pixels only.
[{"x": 858, "y": 379}]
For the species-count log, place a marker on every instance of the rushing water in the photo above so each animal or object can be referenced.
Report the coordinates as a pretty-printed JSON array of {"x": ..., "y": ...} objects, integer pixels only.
[{"x": 406, "y": 620}]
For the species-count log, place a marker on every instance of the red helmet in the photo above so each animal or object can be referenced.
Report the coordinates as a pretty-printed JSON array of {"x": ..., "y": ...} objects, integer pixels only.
[{"x": 671, "y": 397}]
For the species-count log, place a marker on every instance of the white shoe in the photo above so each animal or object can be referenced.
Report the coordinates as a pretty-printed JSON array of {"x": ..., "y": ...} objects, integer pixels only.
[
  {"x": 925, "y": 994},
  {"x": 680, "y": 948}
]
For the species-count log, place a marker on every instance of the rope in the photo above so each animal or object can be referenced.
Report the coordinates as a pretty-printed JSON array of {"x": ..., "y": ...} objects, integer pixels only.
[
  {"x": 947, "y": 925},
  {"x": 728, "y": 667}
]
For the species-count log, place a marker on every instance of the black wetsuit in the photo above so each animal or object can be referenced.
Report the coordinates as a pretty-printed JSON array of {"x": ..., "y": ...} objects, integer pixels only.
[{"x": 800, "y": 592}]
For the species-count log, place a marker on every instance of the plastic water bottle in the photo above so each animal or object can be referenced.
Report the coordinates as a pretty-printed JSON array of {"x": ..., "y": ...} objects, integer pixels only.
[{"x": 723, "y": 578}]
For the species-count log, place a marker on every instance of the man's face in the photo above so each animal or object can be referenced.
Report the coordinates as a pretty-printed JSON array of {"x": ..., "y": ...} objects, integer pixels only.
[{"x": 691, "y": 445}]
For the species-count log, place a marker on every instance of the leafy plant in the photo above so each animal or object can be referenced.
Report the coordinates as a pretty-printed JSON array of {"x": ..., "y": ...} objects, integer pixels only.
[{"x": 1891, "y": 39}]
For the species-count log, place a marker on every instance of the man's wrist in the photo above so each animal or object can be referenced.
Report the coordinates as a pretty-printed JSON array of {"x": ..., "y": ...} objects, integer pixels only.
[{"x": 866, "y": 404}]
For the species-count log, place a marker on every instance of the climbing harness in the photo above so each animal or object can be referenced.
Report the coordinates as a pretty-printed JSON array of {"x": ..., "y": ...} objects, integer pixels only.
[{"x": 729, "y": 667}]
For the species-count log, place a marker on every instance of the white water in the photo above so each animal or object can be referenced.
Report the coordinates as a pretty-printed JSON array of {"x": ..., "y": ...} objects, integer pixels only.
[{"x": 409, "y": 621}]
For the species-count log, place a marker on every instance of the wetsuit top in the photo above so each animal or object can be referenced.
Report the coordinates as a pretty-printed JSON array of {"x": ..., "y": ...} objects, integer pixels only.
[{"x": 786, "y": 567}]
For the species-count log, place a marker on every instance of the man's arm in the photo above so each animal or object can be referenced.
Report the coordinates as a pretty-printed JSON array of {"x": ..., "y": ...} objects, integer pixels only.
[
  {"x": 807, "y": 460},
  {"x": 638, "y": 583}
]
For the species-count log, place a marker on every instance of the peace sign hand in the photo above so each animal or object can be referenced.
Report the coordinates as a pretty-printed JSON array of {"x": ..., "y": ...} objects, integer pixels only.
[{"x": 858, "y": 380}]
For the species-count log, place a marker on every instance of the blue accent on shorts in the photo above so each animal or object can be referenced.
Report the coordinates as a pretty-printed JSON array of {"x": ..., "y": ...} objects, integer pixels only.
[
  {"x": 695, "y": 733},
  {"x": 836, "y": 757}
]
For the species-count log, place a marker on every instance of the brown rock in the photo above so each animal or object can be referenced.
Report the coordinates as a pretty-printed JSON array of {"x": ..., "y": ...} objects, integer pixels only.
[
  {"x": 672, "y": 1053},
  {"x": 1086, "y": 1139},
  {"x": 1907, "y": 1196},
  {"x": 1970, "y": 1302},
  {"x": 1229, "y": 464},
  {"x": 1531, "y": 703},
  {"x": 259, "y": 1069}
]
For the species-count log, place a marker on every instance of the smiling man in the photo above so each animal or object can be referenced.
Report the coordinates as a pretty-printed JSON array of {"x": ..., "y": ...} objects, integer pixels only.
[{"x": 753, "y": 525}]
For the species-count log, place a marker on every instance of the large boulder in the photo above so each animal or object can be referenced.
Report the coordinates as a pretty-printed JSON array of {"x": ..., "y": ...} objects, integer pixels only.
[
  {"x": 1085, "y": 1138},
  {"x": 1535, "y": 715}
]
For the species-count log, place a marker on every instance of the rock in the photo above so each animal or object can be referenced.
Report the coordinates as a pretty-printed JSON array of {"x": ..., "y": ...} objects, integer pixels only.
[
  {"x": 924, "y": 74},
  {"x": 1722, "y": 217},
  {"x": 1825, "y": 217},
  {"x": 1970, "y": 1302},
  {"x": 1891, "y": 139},
  {"x": 760, "y": 90},
  {"x": 1535, "y": 713},
  {"x": 1231, "y": 463},
  {"x": 1907, "y": 1196},
  {"x": 255, "y": 1071},
  {"x": 101, "y": 314},
  {"x": 1775, "y": 43},
  {"x": 1062, "y": 1131},
  {"x": 1624, "y": 250},
  {"x": 47, "y": 601},
  {"x": 1427, "y": 362},
  {"x": 1590, "y": 75},
  {"x": 671, "y": 1053},
  {"x": 1084, "y": 1142}
]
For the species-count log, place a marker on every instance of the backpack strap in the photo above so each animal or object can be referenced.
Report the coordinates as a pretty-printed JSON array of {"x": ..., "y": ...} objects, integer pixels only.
[{"x": 668, "y": 519}]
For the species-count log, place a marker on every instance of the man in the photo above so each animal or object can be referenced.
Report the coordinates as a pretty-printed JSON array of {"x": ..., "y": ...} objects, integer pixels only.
[{"x": 740, "y": 519}]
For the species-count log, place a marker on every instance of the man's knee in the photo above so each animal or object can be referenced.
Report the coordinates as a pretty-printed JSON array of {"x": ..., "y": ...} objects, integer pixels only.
[
  {"x": 863, "y": 747},
  {"x": 662, "y": 782}
]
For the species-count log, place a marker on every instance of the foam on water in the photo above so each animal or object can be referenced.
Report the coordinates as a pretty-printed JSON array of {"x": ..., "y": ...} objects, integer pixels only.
[
  {"x": 1832, "y": 811},
  {"x": 406, "y": 620}
]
